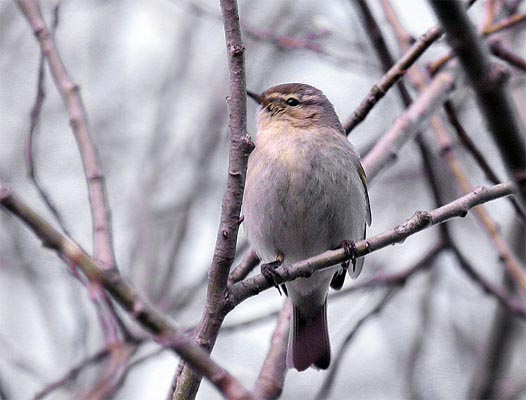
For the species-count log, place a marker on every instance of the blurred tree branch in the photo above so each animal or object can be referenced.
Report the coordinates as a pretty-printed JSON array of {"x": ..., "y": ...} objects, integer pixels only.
[
  {"x": 490, "y": 87},
  {"x": 148, "y": 317}
]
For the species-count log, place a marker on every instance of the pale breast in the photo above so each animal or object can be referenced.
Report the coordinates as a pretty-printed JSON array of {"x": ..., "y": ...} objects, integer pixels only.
[{"x": 303, "y": 196}]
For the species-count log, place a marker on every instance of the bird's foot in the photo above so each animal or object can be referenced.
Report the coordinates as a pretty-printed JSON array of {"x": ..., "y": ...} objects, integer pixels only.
[
  {"x": 268, "y": 270},
  {"x": 350, "y": 251}
]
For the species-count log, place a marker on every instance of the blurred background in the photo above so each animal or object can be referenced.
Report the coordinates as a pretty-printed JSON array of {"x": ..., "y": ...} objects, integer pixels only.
[{"x": 154, "y": 78}]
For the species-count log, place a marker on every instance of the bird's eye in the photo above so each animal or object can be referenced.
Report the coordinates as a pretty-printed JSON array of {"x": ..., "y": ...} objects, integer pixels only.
[{"x": 291, "y": 101}]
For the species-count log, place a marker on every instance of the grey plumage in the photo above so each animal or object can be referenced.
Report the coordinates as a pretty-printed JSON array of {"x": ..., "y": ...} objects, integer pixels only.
[{"x": 305, "y": 193}]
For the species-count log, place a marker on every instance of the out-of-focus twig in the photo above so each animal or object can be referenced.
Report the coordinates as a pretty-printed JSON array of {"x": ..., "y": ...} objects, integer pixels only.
[
  {"x": 513, "y": 306},
  {"x": 137, "y": 308},
  {"x": 500, "y": 50},
  {"x": 489, "y": 83},
  {"x": 324, "y": 391},
  {"x": 35, "y": 117},
  {"x": 269, "y": 383},
  {"x": 505, "y": 24},
  {"x": 510, "y": 57},
  {"x": 406, "y": 126}
]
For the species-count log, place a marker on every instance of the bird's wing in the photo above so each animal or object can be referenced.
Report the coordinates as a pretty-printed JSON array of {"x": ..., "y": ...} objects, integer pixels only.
[{"x": 363, "y": 178}]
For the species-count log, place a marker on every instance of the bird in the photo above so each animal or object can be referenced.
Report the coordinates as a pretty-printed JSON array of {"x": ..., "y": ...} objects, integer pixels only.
[{"x": 305, "y": 193}]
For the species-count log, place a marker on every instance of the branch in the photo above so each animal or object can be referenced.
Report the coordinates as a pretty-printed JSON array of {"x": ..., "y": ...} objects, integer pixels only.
[
  {"x": 490, "y": 88},
  {"x": 393, "y": 75},
  {"x": 396, "y": 72},
  {"x": 34, "y": 119},
  {"x": 248, "y": 263},
  {"x": 466, "y": 141},
  {"x": 100, "y": 215},
  {"x": 419, "y": 221},
  {"x": 508, "y": 56},
  {"x": 500, "y": 50},
  {"x": 447, "y": 152},
  {"x": 138, "y": 309},
  {"x": 406, "y": 126},
  {"x": 329, "y": 379},
  {"x": 269, "y": 383},
  {"x": 70, "y": 92},
  {"x": 187, "y": 382},
  {"x": 513, "y": 306}
]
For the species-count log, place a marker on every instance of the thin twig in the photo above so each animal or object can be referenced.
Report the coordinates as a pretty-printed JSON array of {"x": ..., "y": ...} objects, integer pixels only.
[
  {"x": 136, "y": 307},
  {"x": 498, "y": 49},
  {"x": 324, "y": 391},
  {"x": 70, "y": 93},
  {"x": 406, "y": 126},
  {"x": 269, "y": 383},
  {"x": 489, "y": 83}
]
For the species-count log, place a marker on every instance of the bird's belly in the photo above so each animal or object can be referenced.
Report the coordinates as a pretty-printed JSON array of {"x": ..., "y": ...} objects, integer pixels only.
[{"x": 298, "y": 212}]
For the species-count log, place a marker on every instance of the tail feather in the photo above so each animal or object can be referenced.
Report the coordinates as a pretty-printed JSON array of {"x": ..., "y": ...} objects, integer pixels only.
[{"x": 309, "y": 340}]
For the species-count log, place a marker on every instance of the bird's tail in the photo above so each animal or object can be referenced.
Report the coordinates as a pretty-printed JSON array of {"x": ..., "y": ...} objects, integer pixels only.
[{"x": 309, "y": 340}]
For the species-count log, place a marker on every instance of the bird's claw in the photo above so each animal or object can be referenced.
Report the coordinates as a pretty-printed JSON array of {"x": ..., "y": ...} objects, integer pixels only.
[
  {"x": 350, "y": 251},
  {"x": 268, "y": 270}
]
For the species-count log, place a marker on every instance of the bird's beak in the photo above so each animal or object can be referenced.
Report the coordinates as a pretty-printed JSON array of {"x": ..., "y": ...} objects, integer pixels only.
[{"x": 258, "y": 98}]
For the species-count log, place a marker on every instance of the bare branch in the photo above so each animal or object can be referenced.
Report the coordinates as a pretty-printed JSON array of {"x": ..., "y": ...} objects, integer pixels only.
[
  {"x": 187, "y": 383},
  {"x": 419, "y": 221},
  {"x": 70, "y": 92},
  {"x": 490, "y": 87},
  {"x": 269, "y": 383},
  {"x": 248, "y": 263},
  {"x": 514, "y": 307},
  {"x": 407, "y": 125},
  {"x": 447, "y": 151},
  {"x": 147, "y": 316},
  {"x": 498, "y": 49},
  {"x": 35, "y": 117},
  {"x": 329, "y": 379},
  {"x": 396, "y": 72}
]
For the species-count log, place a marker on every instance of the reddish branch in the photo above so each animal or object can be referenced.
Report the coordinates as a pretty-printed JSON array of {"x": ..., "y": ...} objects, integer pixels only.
[
  {"x": 70, "y": 93},
  {"x": 147, "y": 316},
  {"x": 187, "y": 382},
  {"x": 100, "y": 214},
  {"x": 269, "y": 383},
  {"x": 406, "y": 126}
]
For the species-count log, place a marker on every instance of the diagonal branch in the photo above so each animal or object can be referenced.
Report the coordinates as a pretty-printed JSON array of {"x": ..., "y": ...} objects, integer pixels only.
[
  {"x": 419, "y": 221},
  {"x": 489, "y": 83},
  {"x": 124, "y": 294},
  {"x": 406, "y": 126},
  {"x": 269, "y": 384}
]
